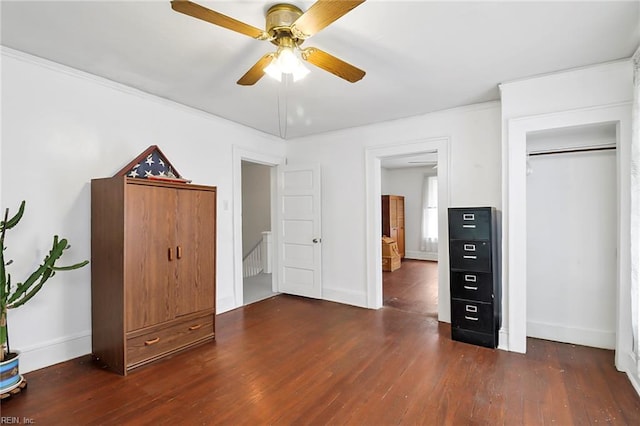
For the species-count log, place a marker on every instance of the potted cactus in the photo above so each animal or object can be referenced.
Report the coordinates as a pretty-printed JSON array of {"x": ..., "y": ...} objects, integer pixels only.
[{"x": 15, "y": 295}]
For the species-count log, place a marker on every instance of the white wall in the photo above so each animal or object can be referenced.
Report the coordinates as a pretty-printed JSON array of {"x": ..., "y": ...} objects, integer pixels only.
[
  {"x": 256, "y": 204},
  {"x": 408, "y": 182},
  {"x": 596, "y": 94},
  {"x": 60, "y": 129},
  {"x": 474, "y": 134}
]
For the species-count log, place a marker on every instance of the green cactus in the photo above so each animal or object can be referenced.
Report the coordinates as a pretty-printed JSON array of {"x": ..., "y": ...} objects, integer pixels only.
[{"x": 14, "y": 296}]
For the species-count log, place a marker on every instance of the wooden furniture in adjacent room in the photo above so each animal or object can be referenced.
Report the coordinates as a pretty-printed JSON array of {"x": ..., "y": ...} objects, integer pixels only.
[
  {"x": 393, "y": 220},
  {"x": 153, "y": 269},
  {"x": 474, "y": 275}
]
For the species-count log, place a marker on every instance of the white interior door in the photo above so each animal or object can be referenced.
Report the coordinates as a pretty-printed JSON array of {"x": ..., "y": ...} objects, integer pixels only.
[{"x": 299, "y": 239}]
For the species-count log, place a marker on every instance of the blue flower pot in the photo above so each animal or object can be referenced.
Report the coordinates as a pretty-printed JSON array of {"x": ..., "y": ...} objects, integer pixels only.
[{"x": 10, "y": 377}]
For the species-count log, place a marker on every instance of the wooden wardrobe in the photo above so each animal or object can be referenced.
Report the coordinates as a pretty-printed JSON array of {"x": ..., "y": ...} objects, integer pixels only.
[
  {"x": 393, "y": 220},
  {"x": 153, "y": 269}
]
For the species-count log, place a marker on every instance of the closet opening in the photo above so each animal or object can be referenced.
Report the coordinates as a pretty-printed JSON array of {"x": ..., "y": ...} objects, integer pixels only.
[{"x": 572, "y": 229}]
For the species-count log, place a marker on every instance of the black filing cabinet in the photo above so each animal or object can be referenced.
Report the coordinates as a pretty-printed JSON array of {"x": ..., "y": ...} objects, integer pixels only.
[{"x": 474, "y": 275}]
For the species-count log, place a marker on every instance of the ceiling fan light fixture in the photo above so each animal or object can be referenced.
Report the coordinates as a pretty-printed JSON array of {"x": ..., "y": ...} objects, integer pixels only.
[
  {"x": 287, "y": 27},
  {"x": 286, "y": 62}
]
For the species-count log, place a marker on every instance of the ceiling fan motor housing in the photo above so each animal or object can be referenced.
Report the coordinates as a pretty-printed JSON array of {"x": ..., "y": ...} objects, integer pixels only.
[{"x": 280, "y": 17}]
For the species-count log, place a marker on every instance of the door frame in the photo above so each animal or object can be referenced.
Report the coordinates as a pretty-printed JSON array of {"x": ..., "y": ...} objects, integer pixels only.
[
  {"x": 273, "y": 161},
  {"x": 515, "y": 226},
  {"x": 373, "y": 155}
]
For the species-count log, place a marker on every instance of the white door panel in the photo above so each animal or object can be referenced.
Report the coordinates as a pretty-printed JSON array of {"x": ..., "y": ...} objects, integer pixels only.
[
  {"x": 298, "y": 205},
  {"x": 299, "y": 254},
  {"x": 297, "y": 231}
]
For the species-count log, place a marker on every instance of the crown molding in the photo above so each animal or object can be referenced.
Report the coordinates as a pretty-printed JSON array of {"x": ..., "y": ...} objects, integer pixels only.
[{"x": 123, "y": 88}]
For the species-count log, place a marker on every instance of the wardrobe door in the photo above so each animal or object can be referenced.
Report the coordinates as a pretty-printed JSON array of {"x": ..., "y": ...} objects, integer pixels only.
[
  {"x": 148, "y": 255},
  {"x": 400, "y": 237},
  {"x": 195, "y": 247}
]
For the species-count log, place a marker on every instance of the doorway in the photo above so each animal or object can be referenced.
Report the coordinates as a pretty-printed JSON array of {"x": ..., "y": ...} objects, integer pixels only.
[
  {"x": 571, "y": 235},
  {"x": 257, "y": 241},
  {"x": 515, "y": 223},
  {"x": 240, "y": 156},
  {"x": 373, "y": 160},
  {"x": 410, "y": 216}
]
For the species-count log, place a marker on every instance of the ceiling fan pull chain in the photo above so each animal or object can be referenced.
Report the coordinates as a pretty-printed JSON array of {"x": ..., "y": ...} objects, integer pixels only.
[{"x": 283, "y": 106}]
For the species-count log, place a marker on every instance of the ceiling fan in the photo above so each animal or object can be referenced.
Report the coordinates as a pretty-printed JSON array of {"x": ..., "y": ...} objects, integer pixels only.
[{"x": 287, "y": 27}]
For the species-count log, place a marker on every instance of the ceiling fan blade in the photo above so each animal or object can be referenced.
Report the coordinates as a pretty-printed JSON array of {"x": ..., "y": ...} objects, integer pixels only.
[
  {"x": 332, "y": 64},
  {"x": 208, "y": 15},
  {"x": 321, "y": 14},
  {"x": 256, "y": 72}
]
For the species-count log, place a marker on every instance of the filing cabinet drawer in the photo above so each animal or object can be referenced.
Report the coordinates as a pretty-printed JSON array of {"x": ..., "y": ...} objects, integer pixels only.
[
  {"x": 469, "y": 315},
  {"x": 470, "y": 224},
  {"x": 472, "y": 285},
  {"x": 470, "y": 255},
  {"x": 487, "y": 340}
]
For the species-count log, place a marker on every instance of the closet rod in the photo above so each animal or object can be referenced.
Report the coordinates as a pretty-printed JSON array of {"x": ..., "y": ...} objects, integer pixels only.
[{"x": 566, "y": 151}]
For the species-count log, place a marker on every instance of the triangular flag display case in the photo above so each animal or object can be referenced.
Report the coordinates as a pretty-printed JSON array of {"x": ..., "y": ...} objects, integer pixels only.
[{"x": 152, "y": 164}]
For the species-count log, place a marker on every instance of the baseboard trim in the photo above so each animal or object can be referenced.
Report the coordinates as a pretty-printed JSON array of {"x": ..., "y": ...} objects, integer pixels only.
[
  {"x": 578, "y": 336},
  {"x": 54, "y": 351},
  {"x": 421, "y": 255},
  {"x": 225, "y": 304},
  {"x": 503, "y": 340},
  {"x": 628, "y": 364}
]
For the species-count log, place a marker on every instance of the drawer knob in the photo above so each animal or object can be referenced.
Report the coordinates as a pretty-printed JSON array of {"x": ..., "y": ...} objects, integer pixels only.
[
  {"x": 468, "y": 287},
  {"x": 470, "y": 318},
  {"x": 467, "y": 256},
  {"x": 195, "y": 327},
  {"x": 152, "y": 341}
]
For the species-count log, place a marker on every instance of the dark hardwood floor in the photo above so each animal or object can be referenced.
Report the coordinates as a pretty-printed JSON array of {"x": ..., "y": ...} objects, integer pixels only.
[
  {"x": 292, "y": 361},
  {"x": 412, "y": 288}
]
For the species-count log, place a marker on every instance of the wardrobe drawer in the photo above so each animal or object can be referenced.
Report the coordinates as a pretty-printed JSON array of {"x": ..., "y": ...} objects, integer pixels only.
[
  {"x": 161, "y": 340},
  {"x": 470, "y": 255},
  {"x": 470, "y": 224},
  {"x": 472, "y": 285},
  {"x": 476, "y": 316}
]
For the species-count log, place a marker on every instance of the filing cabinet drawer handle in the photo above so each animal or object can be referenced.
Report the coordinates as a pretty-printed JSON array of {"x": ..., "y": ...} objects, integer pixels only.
[
  {"x": 152, "y": 341},
  {"x": 469, "y": 226},
  {"x": 468, "y": 216},
  {"x": 470, "y": 278},
  {"x": 468, "y": 287},
  {"x": 471, "y": 308},
  {"x": 469, "y": 247},
  {"x": 470, "y": 257},
  {"x": 470, "y": 318},
  {"x": 195, "y": 327}
]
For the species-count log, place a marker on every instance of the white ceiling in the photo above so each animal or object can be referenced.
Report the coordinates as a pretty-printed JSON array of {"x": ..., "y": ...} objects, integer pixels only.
[
  {"x": 420, "y": 56},
  {"x": 425, "y": 159}
]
